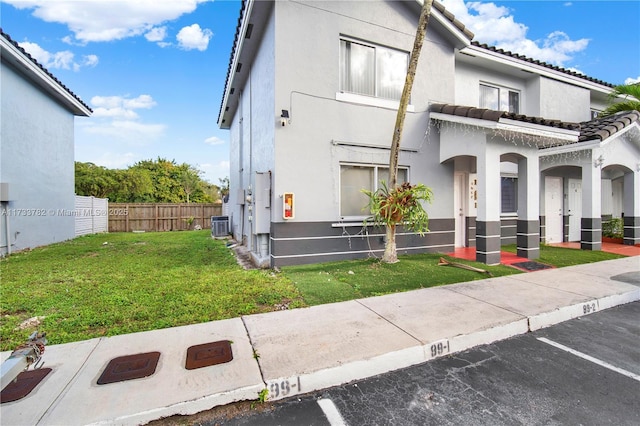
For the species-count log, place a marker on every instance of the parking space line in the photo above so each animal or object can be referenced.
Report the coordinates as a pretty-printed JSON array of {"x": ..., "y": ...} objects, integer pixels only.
[
  {"x": 590, "y": 358},
  {"x": 331, "y": 411}
]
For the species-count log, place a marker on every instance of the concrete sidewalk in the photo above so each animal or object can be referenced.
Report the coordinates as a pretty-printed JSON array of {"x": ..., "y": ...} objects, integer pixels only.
[{"x": 302, "y": 350}]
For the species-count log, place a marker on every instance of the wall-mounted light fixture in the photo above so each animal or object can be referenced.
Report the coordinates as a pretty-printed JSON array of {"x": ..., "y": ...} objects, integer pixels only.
[
  {"x": 284, "y": 117},
  {"x": 598, "y": 162}
]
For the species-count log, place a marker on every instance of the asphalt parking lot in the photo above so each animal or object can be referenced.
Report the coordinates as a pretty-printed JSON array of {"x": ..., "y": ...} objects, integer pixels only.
[{"x": 584, "y": 371}]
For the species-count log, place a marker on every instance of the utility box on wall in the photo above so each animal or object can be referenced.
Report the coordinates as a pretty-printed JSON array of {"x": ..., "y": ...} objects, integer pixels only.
[
  {"x": 288, "y": 205},
  {"x": 262, "y": 211},
  {"x": 4, "y": 191}
]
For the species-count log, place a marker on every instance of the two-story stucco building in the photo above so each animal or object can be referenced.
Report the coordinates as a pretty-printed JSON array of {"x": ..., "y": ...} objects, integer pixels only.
[
  {"x": 508, "y": 144},
  {"x": 36, "y": 152}
]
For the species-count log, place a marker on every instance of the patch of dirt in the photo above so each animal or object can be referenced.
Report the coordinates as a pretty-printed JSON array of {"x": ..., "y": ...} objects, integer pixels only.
[
  {"x": 33, "y": 322},
  {"x": 217, "y": 415}
]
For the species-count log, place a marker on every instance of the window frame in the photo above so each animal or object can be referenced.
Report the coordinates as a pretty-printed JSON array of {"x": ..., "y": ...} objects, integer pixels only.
[
  {"x": 501, "y": 94},
  {"x": 514, "y": 180},
  {"x": 376, "y": 183},
  {"x": 376, "y": 89}
]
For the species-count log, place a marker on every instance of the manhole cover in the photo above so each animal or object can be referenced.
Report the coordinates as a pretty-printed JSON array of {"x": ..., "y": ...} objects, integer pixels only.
[
  {"x": 129, "y": 367},
  {"x": 23, "y": 385},
  {"x": 208, "y": 354},
  {"x": 531, "y": 266}
]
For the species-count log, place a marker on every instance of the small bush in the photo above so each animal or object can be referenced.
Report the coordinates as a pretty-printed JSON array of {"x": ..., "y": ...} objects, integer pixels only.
[{"x": 613, "y": 228}]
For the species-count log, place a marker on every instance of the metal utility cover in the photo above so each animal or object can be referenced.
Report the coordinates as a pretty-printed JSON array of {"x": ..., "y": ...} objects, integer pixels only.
[
  {"x": 208, "y": 354},
  {"x": 130, "y": 367},
  {"x": 23, "y": 385}
]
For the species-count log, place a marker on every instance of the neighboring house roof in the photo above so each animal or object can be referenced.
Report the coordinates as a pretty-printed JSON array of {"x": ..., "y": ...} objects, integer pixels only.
[
  {"x": 596, "y": 129},
  {"x": 28, "y": 66}
]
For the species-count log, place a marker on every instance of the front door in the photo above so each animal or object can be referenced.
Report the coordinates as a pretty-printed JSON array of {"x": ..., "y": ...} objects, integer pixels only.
[
  {"x": 459, "y": 197},
  {"x": 553, "y": 209},
  {"x": 575, "y": 209}
]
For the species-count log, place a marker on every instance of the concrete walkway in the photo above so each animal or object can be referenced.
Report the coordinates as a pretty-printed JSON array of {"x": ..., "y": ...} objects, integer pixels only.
[{"x": 302, "y": 350}]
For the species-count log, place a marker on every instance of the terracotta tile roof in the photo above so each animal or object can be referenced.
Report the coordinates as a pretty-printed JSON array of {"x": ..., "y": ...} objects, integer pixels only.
[
  {"x": 599, "y": 128},
  {"x": 542, "y": 64},
  {"x": 605, "y": 127},
  {"x": 24, "y": 52},
  {"x": 451, "y": 17}
]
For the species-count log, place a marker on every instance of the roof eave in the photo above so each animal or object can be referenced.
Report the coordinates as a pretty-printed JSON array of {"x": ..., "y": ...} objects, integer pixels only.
[
  {"x": 235, "y": 59},
  {"x": 562, "y": 136},
  {"x": 526, "y": 66},
  {"x": 12, "y": 54}
]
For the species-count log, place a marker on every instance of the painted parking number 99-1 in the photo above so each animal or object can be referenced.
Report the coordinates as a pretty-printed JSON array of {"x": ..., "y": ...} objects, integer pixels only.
[
  {"x": 439, "y": 348},
  {"x": 283, "y": 388}
]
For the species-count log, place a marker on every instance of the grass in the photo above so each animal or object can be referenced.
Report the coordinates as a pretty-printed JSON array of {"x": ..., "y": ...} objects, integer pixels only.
[{"x": 109, "y": 284}]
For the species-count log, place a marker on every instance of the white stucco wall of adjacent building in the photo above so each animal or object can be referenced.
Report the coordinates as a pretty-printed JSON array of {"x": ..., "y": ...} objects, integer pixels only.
[{"x": 37, "y": 163}]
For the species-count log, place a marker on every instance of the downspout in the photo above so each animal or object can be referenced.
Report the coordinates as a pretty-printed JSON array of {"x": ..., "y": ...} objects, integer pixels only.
[{"x": 6, "y": 219}]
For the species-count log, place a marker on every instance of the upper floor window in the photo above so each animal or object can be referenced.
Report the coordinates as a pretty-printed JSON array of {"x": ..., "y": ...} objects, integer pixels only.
[
  {"x": 371, "y": 70},
  {"x": 355, "y": 178},
  {"x": 499, "y": 99}
]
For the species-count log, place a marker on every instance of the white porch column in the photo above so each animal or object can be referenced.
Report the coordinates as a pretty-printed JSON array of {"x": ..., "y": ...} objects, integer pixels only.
[
  {"x": 631, "y": 207},
  {"x": 488, "y": 220},
  {"x": 591, "y": 222},
  {"x": 528, "y": 227}
]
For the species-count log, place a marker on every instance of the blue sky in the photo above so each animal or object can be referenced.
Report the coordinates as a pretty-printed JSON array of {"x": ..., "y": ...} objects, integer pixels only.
[{"x": 153, "y": 71}]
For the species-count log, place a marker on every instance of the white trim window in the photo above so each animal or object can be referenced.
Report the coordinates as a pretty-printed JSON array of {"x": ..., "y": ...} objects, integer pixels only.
[
  {"x": 356, "y": 177},
  {"x": 371, "y": 70},
  {"x": 499, "y": 98}
]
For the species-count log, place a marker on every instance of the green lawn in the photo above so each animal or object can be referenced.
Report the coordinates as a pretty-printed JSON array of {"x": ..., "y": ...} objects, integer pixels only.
[{"x": 109, "y": 284}]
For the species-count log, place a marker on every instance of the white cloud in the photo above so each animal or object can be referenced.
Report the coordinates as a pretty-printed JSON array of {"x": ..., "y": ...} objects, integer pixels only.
[
  {"x": 90, "y": 60},
  {"x": 132, "y": 132},
  {"x": 116, "y": 116},
  {"x": 194, "y": 37},
  {"x": 156, "y": 34},
  {"x": 64, "y": 59},
  {"x": 632, "y": 80},
  {"x": 113, "y": 160},
  {"x": 106, "y": 20},
  {"x": 214, "y": 140},
  {"x": 493, "y": 25},
  {"x": 119, "y": 106}
]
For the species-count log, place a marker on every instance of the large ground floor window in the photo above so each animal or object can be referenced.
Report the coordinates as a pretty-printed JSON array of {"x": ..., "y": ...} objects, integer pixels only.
[{"x": 356, "y": 177}]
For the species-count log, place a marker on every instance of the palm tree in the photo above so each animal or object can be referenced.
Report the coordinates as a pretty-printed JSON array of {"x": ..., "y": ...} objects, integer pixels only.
[
  {"x": 390, "y": 252},
  {"x": 630, "y": 94}
]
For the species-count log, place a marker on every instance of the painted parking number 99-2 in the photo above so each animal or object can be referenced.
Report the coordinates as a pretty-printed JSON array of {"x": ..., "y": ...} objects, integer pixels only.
[
  {"x": 589, "y": 308},
  {"x": 284, "y": 388}
]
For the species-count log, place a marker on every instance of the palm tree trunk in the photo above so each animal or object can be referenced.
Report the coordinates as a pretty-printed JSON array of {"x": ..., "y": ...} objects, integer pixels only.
[{"x": 390, "y": 254}]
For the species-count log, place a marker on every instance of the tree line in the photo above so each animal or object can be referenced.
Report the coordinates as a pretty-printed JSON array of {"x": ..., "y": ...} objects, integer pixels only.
[{"x": 148, "y": 181}]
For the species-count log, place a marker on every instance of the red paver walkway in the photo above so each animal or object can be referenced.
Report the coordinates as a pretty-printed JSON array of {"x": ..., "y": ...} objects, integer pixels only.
[
  {"x": 621, "y": 249},
  {"x": 469, "y": 253},
  {"x": 506, "y": 258}
]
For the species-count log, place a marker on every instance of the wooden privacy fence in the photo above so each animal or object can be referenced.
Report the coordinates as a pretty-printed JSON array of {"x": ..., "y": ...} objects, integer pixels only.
[{"x": 148, "y": 217}]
